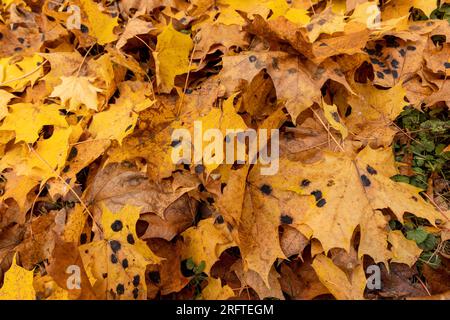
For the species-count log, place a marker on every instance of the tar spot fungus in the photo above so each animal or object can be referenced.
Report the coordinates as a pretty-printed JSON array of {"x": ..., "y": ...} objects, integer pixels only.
[
  {"x": 114, "y": 258},
  {"x": 402, "y": 52},
  {"x": 411, "y": 48},
  {"x": 365, "y": 181},
  {"x": 266, "y": 189},
  {"x": 394, "y": 64},
  {"x": 120, "y": 289},
  {"x": 136, "y": 279},
  {"x": 125, "y": 263},
  {"x": 104, "y": 275},
  {"x": 321, "y": 203},
  {"x": 395, "y": 74},
  {"x": 252, "y": 58},
  {"x": 116, "y": 226},
  {"x": 447, "y": 65},
  {"x": 130, "y": 238},
  {"x": 371, "y": 170},
  {"x": 305, "y": 183},
  {"x": 380, "y": 75},
  {"x": 115, "y": 245},
  {"x": 286, "y": 219},
  {"x": 317, "y": 194},
  {"x": 414, "y": 198},
  {"x": 135, "y": 293}
]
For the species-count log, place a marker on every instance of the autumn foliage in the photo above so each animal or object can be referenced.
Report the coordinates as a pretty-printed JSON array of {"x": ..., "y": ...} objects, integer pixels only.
[{"x": 92, "y": 205}]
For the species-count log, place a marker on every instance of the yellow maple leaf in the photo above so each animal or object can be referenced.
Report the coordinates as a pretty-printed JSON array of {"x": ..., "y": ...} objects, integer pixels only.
[
  {"x": 116, "y": 263},
  {"x": 332, "y": 116},
  {"x": 101, "y": 25},
  {"x": 18, "y": 284},
  {"x": 215, "y": 291},
  {"x": 77, "y": 91},
  {"x": 19, "y": 75},
  {"x": 171, "y": 57},
  {"x": 48, "y": 157},
  {"x": 27, "y": 119},
  {"x": 5, "y": 97},
  {"x": 337, "y": 281},
  {"x": 403, "y": 250},
  {"x": 206, "y": 242},
  {"x": 120, "y": 120}
]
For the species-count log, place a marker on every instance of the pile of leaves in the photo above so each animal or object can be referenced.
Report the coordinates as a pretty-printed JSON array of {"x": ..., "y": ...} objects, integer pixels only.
[{"x": 93, "y": 207}]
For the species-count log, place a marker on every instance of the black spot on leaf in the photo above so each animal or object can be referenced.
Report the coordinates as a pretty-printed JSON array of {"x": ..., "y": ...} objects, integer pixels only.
[
  {"x": 120, "y": 289},
  {"x": 116, "y": 226},
  {"x": 135, "y": 293},
  {"x": 252, "y": 58},
  {"x": 305, "y": 183},
  {"x": 114, "y": 258},
  {"x": 321, "y": 203},
  {"x": 266, "y": 189},
  {"x": 380, "y": 75},
  {"x": 365, "y": 181},
  {"x": 125, "y": 263},
  {"x": 317, "y": 194},
  {"x": 371, "y": 170},
  {"x": 394, "y": 64},
  {"x": 130, "y": 238},
  {"x": 286, "y": 219},
  {"x": 136, "y": 280},
  {"x": 115, "y": 245}
]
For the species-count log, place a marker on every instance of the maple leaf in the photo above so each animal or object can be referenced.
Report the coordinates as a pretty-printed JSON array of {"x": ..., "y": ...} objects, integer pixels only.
[
  {"x": 26, "y": 120},
  {"x": 215, "y": 291},
  {"x": 116, "y": 263},
  {"x": 20, "y": 74},
  {"x": 101, "y": 25},
  {"x": 337, "y": 281},
  {"x": 77, "y": 91},
  {"x": 18, "y": 283},
  {"x": 122, "y": 119},
  {"x": 333, "y": 197},
  {"x": 206, "y": 242},
  {"x": 171, "y": 57}
]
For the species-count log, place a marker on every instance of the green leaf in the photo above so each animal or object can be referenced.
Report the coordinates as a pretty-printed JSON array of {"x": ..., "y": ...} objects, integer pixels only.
[
  {"x": 419, "y": 235},
  {"x": 190, "y": 264},
  {"x": 199, "y": 269},
  {"x": 430, "y": 243}
]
